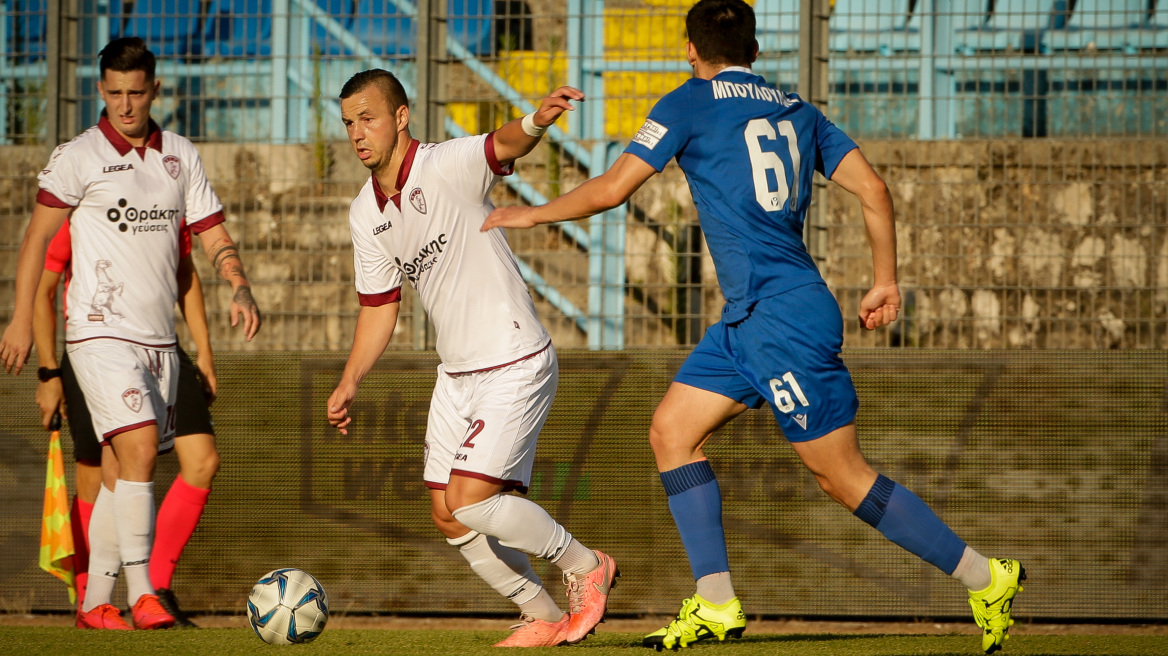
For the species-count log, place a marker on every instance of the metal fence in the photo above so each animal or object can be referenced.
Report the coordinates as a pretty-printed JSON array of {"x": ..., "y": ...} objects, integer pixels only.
[{"x": 1024, "y": 141}]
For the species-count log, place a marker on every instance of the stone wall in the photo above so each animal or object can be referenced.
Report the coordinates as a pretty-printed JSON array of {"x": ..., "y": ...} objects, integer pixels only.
[{"x": 1003, "y": 244}]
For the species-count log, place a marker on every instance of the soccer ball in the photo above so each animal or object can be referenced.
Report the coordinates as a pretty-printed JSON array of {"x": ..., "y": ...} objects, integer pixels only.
[{"x": 287, "y": 606}]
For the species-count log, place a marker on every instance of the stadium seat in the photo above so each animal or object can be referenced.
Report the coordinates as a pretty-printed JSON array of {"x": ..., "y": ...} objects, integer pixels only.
[
  {"x": 1151, "y": 34},
  {"x": 240, "y": 28},
  {"x": 169, "y": 27},
  {"x": 872, "y": 26},
  {"x": 1013, "y": 24},
  {"x": 777, "y": 25},
  {"x": 24, "y": 27},
  {"x": 1099, "y": 24},
  {"x": 340, "y": 11},
  {"x": 388, "y": 31}
]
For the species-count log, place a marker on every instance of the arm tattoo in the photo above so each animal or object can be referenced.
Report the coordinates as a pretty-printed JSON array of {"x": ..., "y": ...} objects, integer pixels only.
[
  {"x": 243, "y": 297},
  {"x": 223, "y": 255}
]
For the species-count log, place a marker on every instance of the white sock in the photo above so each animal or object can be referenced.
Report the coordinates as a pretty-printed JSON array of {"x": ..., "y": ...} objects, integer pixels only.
[
  {"x": 134, "y": 509},
  {"x": 973, "y": 570},
  {"x": 526, "y": 526},
  {"x": 506, "y": 570},
  {"x": 105, "y": 558},
  {"x": 716, "y": 588}
]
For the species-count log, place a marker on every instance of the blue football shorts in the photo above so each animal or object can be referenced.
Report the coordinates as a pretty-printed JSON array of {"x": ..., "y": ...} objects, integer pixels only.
[{"x": 785, "y": 353}]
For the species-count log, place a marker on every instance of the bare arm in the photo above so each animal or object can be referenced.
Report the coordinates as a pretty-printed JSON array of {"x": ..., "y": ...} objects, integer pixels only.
[
  {"x": 880, "y": 305},
  {"x": 511, "y": 142},
  {"x": 224, "y": 256},
  {"x": 375, "y": 327},
  {"x": 17, "y": 342},
  {"x": 599, "y": 194},
  {"x": 190, "y": 301},
  {"x": 50, "y": 394}
]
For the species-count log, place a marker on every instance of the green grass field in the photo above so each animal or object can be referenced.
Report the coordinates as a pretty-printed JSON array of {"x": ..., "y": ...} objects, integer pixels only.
[{"x": 225, "y": 642}]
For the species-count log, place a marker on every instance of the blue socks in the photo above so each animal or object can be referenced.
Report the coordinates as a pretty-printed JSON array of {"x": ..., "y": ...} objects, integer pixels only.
[
  {"x": 696, "y": 504},
  {"x": 909, "y": 522}
]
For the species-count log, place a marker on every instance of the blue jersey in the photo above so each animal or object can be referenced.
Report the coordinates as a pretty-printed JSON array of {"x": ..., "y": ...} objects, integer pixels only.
[{"x": 748, "y": 151}]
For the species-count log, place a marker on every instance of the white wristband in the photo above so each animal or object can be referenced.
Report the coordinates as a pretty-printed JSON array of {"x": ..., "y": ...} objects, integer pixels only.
[{"x": 530, "y": 128}]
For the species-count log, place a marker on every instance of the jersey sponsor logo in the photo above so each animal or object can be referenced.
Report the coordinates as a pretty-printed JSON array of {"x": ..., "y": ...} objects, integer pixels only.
[
  {"x": 114, "y": 168},
  {"x": 418, "y": 200},
  {"x": 140, "y": 220},
  {"x": 133, "y": 398},
  {"x": 173, "y": 165},
  {"x": 378, "y": 229},
  {"x": 425, "y": 260},
  {"x": 650, "y": 134},
  {"x": 732, "y": 90}
]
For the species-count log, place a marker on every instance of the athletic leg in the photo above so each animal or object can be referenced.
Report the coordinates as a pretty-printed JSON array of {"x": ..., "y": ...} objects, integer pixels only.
[
  {"x": 684, "y": 420},
  {"x": 88, "y": 477},
  {"x": 179, "y": 514},
  {"x": 506, "y": 570}
]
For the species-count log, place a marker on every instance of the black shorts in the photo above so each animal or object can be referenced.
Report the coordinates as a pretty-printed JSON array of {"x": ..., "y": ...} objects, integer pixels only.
[{"x": 192, "y": 416}]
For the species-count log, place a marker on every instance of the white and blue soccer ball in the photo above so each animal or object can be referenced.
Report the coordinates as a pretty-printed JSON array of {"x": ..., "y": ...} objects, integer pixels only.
[{"x": 287, "y": 606}]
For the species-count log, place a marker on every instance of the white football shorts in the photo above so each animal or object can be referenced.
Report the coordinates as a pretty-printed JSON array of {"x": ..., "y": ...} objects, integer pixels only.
[
  {"x": 127, "y": 386},
  {"x": 485, "y": 424}
]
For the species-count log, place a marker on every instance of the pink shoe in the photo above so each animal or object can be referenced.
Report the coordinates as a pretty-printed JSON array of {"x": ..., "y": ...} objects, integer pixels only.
[
  {"x": 537, "y": 633},
  {"x": 104, "y": 616},
  {"x": 588, "y": 597},
  {"x": 149, "y": 614}
]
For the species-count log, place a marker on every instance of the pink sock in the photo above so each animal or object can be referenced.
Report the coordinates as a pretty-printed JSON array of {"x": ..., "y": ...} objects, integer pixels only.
[
  {"x": 177, "y": 519},
  {"x": 79, "y": 520}
]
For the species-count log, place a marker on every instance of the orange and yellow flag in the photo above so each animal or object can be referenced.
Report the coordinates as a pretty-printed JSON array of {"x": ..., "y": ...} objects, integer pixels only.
[{"x": 56, "y": 532}]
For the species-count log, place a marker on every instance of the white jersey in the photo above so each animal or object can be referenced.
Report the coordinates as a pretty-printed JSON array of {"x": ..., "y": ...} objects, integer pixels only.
[
  {"x": 125, "y": 229},
  {"x": 468, "y": 281}
]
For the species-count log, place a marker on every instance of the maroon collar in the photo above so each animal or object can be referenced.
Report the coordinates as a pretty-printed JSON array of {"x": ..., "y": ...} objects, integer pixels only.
[
  {"x": 119, "y": 142},
  {"x": 403, "y": 172}
]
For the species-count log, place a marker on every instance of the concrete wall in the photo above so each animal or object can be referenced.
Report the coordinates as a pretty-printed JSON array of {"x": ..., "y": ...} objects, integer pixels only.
[{"x": 1003, "y": 244}]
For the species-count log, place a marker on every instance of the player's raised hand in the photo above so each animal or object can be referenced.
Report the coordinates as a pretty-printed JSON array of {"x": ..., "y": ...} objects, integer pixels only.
[
  {"x": 879, "y": 306},
  {"x": 243, "y": 306},
  {"x": 338, "y": 405},
  {"x": 555, "y": 104},
  {"x": 15, "y": 346},
  {"x": 516, "y": 216}
]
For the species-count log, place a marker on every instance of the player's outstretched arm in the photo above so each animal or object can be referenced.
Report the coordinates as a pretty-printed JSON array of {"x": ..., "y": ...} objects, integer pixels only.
[
  {"x": 519, "y": 137},
  {"x": 375, "y": 325},
  {"x": 190, "y": 301},
  {"x": 50, "y": 394},
  {"x": 16, "y": 344},
  {"x": 224, "y": 256},
  {"x": 599, "y": 194},
  {"x": 881, "y": 304}
]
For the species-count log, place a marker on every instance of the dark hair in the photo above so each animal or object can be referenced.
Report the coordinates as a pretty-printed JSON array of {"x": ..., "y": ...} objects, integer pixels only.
[
  {"x": 386, "y": 81},
  {"x": 125, "y": 55},
  {"x": 722, "y": 31}
]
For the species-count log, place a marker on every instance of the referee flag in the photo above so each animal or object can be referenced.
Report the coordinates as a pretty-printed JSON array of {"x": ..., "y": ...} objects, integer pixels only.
[{"x": 56, "y": 556}]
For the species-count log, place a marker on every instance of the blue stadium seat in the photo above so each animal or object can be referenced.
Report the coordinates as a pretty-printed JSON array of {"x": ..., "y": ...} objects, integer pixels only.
[
  {"x": 873, "y": 26},
  {"x": 240, "y": 28},
  {"x": 388, "y": 31},
  {"x": 777, "y": 25},
  {"x": 169, "y": 27},
  {"x": 25, "y": 29},
  {"x": 1013, "y": 24},
  {"x": 342, "y": 12},
  {"x": 1100, "y": 24},
  {"x": 1152, "y": 33}
]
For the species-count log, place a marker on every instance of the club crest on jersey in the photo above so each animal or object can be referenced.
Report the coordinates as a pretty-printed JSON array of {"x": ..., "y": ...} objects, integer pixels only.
[
  {"x": 173, "y": 165},
  {"x": 133, "y": 398},
  {"x": 418, "y": 200}
]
